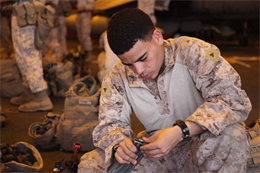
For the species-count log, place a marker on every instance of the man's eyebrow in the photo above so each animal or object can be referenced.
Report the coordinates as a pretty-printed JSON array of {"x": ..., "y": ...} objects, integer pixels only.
[{"x": 136, "y": 60}]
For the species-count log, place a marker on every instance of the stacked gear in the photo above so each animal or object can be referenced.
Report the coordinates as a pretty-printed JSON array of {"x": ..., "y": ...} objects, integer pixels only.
[
  {"x": 80, "y": 116},
  {"x": 20, "y": 157},
  {"x": 11, "y": 81},
  {"x": 43, "y": 133},
  {"x": 60, "y": 78}
]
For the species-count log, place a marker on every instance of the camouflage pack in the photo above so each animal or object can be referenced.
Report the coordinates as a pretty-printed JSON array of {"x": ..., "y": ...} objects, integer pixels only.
[{"x": 80, "y": 115}]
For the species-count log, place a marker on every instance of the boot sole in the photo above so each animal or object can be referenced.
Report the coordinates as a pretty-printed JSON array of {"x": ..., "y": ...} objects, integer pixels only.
[{"x": 38, "y": 110}]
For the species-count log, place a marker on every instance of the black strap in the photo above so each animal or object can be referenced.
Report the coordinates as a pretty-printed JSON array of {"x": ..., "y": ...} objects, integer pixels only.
[{"x": 184, "y": 128}]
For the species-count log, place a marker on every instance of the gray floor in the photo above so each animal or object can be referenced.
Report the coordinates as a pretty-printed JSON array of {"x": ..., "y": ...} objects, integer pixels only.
[{"x": 16, "y": 127}]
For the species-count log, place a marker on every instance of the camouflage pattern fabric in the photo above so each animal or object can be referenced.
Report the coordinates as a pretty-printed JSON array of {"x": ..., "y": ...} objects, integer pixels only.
[
  {"x": 28, "y": 58},
  {"x": 147, "y": 6},
  {"x": 83, "y": 24},
  {"x": 6, "y": 35},
  {"x": 203, "y": 153},
  {"x": 201, "y": 87},
  {"x": 59, "y": 36},
  {"x": 62, "y": 33},
  {"x": 54, "y": 45}
]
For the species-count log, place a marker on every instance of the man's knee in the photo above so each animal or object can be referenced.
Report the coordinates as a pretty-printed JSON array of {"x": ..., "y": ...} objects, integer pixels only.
[
  {"x": 229, "y": 150},
  {"x": 92, "y": 162},
  {"x": 236, "y": 137}
]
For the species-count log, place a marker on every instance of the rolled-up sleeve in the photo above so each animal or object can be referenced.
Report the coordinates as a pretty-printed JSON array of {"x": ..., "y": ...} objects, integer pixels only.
[{"x": 220, "y": 85}]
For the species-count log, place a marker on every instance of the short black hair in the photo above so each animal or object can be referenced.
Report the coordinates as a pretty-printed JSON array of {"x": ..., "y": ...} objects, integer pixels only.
[{"x": 126, "y": 27}]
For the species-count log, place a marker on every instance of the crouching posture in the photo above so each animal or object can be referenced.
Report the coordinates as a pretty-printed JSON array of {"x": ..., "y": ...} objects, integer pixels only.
[{"x": 183, "y": 80}]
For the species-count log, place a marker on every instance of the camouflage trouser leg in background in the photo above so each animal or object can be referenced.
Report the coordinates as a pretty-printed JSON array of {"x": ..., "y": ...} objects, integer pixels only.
[
  {"x": 54, "y": 44},
  {"x": 62, "y": 33},
  {"x": 28, "y": 58},
  {"x": 83, "y": 30},
  {"x": 6, "y": 35},
  {"x": 227, "y": 152}
]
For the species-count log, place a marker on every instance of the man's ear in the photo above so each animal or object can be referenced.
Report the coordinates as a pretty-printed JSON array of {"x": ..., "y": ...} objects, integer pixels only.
[{"x": 157, "y": 36}]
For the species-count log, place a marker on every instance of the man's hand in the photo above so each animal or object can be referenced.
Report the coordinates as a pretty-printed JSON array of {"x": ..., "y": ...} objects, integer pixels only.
[
  {"x": 125, "y": 153},
  {"x": 162, "y": 142}
]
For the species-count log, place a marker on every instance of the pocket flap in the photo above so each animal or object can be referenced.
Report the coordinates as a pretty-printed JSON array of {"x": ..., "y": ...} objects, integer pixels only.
[
  {"x": 30, "y": 9},
  {"x": 19, "y": 10}
]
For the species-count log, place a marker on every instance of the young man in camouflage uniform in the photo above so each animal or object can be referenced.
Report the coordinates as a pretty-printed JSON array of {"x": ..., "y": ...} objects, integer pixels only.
[
  {"x": 29, "y": 60},
  {"x": 164, "y": 81}
]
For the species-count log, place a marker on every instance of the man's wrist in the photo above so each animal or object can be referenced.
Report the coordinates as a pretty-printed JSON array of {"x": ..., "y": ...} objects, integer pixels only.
[{"x": 184, "y": 128}]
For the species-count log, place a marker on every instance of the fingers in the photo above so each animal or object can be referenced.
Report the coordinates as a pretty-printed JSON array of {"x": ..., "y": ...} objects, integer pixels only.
[
  {"x": 150, "y": 139},
  {"x": 125, "y": 153},
  {"x": 155, "y": 149},
  {"x": 124, "y": 158}
]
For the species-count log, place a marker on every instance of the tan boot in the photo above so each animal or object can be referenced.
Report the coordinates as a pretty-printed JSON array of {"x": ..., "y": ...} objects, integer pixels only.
[
  {"x": 41, "y": 102},
  {"x": 25, "y": 97}
]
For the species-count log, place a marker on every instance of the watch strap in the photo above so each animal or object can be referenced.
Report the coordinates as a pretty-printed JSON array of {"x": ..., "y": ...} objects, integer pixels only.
[{"x": 184, "y": 128}]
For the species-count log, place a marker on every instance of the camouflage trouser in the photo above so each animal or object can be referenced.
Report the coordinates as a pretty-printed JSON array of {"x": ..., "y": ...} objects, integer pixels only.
[
  {"x": 28, "y": 58},
  {"x": 6, "y": 35},
  {"x": 62, "y": 33},
  {"x": 83, "y": 30},
  {"x": 227, "y": 152},
  {"x": 54, "y": 44}
]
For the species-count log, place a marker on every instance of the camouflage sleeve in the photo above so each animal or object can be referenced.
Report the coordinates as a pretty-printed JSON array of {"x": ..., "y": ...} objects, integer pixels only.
[
  {"x": 90, "y": 5},
  {"x": 225, "y": 102},
  {"x": 114, "y": 115}
]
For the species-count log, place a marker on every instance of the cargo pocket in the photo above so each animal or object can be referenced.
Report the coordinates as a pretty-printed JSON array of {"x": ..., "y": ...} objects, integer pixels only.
[
  {"x": 21, "y": 15},
  {"x": 31, "y": 17}
]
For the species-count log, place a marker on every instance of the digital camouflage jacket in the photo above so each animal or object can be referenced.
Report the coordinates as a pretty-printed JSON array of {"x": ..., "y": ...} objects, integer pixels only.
[{"x": 197, "y": 85}]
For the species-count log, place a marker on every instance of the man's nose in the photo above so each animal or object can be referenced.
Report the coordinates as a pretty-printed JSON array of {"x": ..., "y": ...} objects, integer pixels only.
[{"x": 139, "y": 68}]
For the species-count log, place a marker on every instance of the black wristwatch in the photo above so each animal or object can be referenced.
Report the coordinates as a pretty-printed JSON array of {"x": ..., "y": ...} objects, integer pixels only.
[{"x": 184, "y": 128}]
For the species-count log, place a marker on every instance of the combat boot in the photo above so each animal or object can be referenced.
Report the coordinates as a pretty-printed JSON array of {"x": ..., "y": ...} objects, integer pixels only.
[
  {"x": 41, "y": 102},
  {"x": 25, "y": 97}
]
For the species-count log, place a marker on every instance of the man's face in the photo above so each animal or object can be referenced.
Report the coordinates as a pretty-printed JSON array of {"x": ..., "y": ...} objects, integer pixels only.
[{"x": 146, "y": 58}]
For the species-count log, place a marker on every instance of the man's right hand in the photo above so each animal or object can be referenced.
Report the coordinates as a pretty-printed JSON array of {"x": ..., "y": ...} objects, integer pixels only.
[{"x": 125, "y": 153}]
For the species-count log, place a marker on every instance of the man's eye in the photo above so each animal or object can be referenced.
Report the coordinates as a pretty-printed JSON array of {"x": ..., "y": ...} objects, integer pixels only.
[{"x": 143, "y": 59}]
